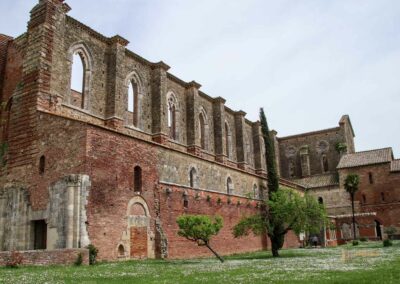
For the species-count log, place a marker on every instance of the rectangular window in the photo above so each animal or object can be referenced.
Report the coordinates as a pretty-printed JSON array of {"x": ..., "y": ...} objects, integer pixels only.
[{"x": 39, "y": 234}]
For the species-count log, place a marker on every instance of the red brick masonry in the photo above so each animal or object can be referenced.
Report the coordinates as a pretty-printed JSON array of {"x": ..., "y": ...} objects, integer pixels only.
[{"x": 46, "y": 257}]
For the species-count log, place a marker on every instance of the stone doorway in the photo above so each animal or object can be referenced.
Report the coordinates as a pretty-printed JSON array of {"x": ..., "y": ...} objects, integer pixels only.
[
  {"x": 138, "y": 242},
  {"x": 39, "y": 234},
  {"x": 378, "y": 230}
]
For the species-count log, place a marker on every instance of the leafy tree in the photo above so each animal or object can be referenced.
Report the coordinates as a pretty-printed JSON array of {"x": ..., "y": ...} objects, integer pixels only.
[
  {"x": 200, "y": 229},
  {"x": 351, "y": 185},
  {"x": 287, "y": 210}
]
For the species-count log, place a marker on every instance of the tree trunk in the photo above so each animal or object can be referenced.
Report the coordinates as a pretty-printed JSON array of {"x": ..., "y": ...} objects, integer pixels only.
[
  {"x": 354, "y": 218},
  {"x": 277, "y": 241},
  {"x": 214, "y": 252}
]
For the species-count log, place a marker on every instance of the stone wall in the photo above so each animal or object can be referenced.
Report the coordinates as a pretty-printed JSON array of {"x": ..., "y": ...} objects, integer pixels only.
[{"x": 47, "y": 257}]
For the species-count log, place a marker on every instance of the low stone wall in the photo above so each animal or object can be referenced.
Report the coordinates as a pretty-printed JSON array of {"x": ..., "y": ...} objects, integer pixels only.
[{"x": 46, "y": 257}]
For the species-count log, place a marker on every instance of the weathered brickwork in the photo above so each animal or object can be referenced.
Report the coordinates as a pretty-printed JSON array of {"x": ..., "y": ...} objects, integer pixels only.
[{"x": 48, "y": 257}]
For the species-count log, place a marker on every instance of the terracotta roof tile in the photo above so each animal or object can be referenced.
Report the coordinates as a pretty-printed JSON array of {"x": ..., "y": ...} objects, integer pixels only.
[
  {"x": 371, "y": 157},
  {"x": 318, "y": 181}
]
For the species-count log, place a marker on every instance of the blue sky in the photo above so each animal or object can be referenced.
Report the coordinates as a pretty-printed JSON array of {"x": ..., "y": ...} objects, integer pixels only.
[{"x": 306, "y": 62}]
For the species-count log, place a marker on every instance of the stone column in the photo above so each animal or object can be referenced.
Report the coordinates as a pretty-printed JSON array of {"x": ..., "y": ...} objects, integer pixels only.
[
  {"x": 159, "y": 102},
  {"x": 219, "y": 129},
  {"x": 115, "y": 107},
  {"x": 240, "y": 144},
  {"x": 192, "y": 93}
]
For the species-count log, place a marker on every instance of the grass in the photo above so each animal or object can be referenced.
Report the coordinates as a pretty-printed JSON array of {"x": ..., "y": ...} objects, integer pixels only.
[{"x": 371, "y": 263}]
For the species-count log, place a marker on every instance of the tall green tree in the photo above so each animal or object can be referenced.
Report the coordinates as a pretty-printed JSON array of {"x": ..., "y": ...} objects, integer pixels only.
[
  {"x": 351, "y": 185},
  {"x": 273, "y": 179},
  {"x": 287, "y": 210},
  {"x": 200, "y": 229}
]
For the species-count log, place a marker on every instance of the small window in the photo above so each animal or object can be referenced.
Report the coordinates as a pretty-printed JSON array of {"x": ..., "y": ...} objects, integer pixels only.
[
  {"x": 172, "y": 118},
  {"x": 382, "y": 196},
  {"x": 193, "y": 178},
  {"x": 42, "y": 165},
  {"x": 137, "y": 186},
  {"x": 202, "y": 126},
  {"x": 229, "y": 187},
  {"x": 325, "y": 166},
  {"x": 371, "y": 178},
  {"x": 185, "y": 203},
  {"x": 320, "y": 200},
  {"x": 227, "y": 140},
  {"x": 364, "y": 199}
]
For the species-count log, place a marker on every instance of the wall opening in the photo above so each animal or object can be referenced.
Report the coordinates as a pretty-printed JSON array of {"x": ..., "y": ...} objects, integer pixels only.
[
  {"x": 229, "y": 186},
  {"x": 382, "y": 196},
  {"x": 77, "y": 80},
  {"x": 371, "y": 178},
  {"x": 39, "y": 234},
  {"x": 320, "y": 200},
  {"x": 193, "y": 178},
  {"x": 42, "y": 164},
  {"x": 133, "y": 104},
  {"x": 202, "y": 126},
  {"x": 137, "y": 179},
  {"x": 185, "y": 203},
  {"x": 172, "y": 118},
  {"x": 325, "y": 166},
  {"x": 121, "y": 251},
  {"x": 227, "y": 141},
  {"x": 378, "y": 231},
  {"x": 364, "y": 199}
]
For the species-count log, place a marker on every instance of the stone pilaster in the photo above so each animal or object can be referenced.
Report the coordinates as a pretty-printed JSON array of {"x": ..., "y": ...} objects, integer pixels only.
[
  {"x": 115, "y": 107},
  {"x": 219, "y": 129},
  {"x": 273, "y": 134},
  {"x": 159, "y": 102},
  {"x": 192, "y": 93},
  {"x": 258, "y": 142},
  {"x": 240, "y": 143}
]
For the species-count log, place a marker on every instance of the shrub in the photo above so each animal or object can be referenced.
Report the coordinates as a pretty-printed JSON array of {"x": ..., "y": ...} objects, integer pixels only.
[
  {"x": 14, "y": 260},
  {"x": 93, "y": 251},
  {"x": 387, "y": 243},
  {"x": 355, "y": 243},
  {"x": 363, "y": 239},
  {"x": 79, "y": 260}
]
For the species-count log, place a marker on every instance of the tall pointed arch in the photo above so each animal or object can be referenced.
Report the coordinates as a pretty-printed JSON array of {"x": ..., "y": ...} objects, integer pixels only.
[
  {"x": 133, "y": 100},
  {"x": 79, "y": 96},
  {"x": 228, "y": 141},
  {"x": 172, "y": 115},
  {"x": 203, "y": 129}
]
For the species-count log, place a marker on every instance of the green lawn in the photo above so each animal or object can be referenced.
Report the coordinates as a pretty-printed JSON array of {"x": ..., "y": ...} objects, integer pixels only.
[{"x": 371, "y": 263}]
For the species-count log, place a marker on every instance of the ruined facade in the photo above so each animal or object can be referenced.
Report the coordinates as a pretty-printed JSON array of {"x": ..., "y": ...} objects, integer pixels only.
[
  {"x": 114, "y": 162},
  {"x": 320, "y": 162}
]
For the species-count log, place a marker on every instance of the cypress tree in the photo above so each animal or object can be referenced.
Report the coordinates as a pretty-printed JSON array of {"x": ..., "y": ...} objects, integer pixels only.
[{"x": 273, "y": 180}]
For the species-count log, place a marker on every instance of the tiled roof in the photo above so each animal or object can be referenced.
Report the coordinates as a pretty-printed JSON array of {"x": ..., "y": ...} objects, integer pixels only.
[
  {"x": 318, "y": 181},
  {"x": 395, "y": 166},
  {"x": 371, "y": 157}
]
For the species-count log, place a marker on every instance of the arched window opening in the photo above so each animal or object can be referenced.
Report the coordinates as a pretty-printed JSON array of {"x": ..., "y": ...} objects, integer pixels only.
[
  {"x": 227, "y": 140},
  {"x": 229, "y": 186},
  {"x": 202, "y": 129},
  {"x": 382, "y": 196},
  {"x": 185, "y": 202},
  {"x": 193, "y": 178},
  {"x": 172, "y": 119},
  {"x": 77, "y": 80},
  {"x": 292, "y": 169},
  {"x": 256, "y": 194},
  {"x": 133, "y": 105},
  {"x": 371, "y": 178},
  {"x": 137, "y": 185},
  {"x": 121, "y": 250},
  {"x": 42, "y": 164},
  {"x": 325, "y": 166},
  {"x": 364, "y": 199},
  {"x": 320, "y": 200}
]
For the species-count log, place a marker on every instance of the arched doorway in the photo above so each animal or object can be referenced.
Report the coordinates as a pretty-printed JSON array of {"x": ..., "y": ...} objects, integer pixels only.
[
  {"x": 378, "y": 231},
  {"x": 138, "y": 228}
]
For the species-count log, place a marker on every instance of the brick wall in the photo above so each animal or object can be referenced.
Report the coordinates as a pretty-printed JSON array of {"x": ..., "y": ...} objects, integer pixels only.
[{"x": 47, "y": 257}]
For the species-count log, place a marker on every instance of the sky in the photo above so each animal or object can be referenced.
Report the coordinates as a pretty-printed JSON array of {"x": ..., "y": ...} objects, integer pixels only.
[{"x": 307, "y": 62}]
